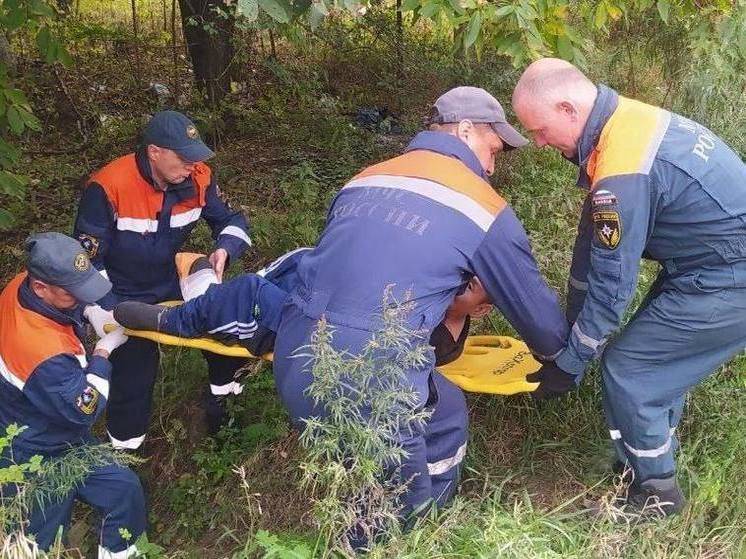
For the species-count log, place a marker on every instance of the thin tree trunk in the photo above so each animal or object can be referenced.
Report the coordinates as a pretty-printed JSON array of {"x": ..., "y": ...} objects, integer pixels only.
[
  {"x": 211, "y": 52},
  {"x": 136, "y": 43},
  {"x": 399, "y": 43},
  {"x": 272, "y": 44},
  {"x": 174, "y": 54}
]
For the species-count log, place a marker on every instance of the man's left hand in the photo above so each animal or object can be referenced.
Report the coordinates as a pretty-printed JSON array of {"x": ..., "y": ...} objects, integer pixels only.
[
  {"x": 553, "y": 382},
  {"x": 218, "y": 260},
  {"x": 98, "y": 318}
]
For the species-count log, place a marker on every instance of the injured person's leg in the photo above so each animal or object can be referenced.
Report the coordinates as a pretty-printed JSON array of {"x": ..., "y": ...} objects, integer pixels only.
[{"x": 244, "y": 311}]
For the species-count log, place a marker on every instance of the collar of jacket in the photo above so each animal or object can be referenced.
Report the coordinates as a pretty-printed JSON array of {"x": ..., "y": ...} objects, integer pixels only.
[
  {"x": 604, "y": 106},
  {"x": 447, "y": 144},
  {"x": 182, "y": 191},
  {"x": 31, "y": 301}
]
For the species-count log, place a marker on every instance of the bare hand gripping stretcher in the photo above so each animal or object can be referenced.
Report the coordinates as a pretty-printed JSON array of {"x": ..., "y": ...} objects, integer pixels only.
[{"x": 488, "y": 364}]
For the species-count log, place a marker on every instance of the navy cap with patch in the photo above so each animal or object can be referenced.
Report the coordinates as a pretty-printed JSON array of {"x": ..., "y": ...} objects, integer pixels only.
[
  {"x": 174, "y": 131},
  {"x": 62, "y": 261}
]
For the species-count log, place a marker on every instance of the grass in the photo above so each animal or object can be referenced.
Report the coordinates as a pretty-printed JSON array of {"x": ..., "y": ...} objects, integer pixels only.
[{"x": 285, "y": 147}]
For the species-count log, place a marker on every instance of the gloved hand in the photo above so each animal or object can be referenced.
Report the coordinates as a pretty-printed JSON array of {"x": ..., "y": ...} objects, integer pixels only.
[
  {"x": 553, "y": 382},
  {"x": 109, "y": 342},
  {"x": 97, "y": 317}
]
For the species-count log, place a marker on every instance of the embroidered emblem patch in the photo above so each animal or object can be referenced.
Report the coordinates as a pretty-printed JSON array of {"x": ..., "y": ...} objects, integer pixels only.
[
  {"x": 88, "y": 400},
  {"x": 81, "y": 262},
  {"x": 90, "y": 244},
  {"x": 603, "y": 198},
  {"x": 608, "y": 228},
  {"x": 191, "y": 132}
]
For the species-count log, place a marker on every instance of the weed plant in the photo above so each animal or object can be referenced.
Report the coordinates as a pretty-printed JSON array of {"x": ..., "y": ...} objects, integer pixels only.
[{"x": 352, "y": 450}]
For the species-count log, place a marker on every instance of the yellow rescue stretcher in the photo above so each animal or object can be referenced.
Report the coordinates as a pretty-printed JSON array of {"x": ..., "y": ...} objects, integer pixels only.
[{"x": 488, "y": 364}]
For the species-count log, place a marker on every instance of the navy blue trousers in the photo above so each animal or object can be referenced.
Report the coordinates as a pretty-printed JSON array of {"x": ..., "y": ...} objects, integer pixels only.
[
  {"x": 681, "y": 334},
  {"x": 134, "y": 371},
  {"x": 116, "y": 495}
]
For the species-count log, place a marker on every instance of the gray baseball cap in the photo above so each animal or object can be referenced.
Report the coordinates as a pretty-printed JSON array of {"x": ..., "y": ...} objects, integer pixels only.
[
  {"x": 476, "y": 105},
  {"x": 62, "y": 261}
]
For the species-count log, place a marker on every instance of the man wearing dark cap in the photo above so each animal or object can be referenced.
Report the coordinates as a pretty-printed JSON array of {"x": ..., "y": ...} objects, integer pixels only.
[
  {"x": 134, "y": 216},
  {"x": 52, "y": 388},
  {"x": 420, "y": 225}
]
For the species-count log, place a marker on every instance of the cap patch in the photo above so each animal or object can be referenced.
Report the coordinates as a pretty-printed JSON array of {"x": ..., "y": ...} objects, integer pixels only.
[
  {"x": 191, "y": 132},
  {"x": 82, "y": 263}
]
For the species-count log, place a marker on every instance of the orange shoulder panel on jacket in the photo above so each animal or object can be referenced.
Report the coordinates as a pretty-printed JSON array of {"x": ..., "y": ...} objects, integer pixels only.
[
  {"x": 27, "y": 339},
  {"x": 130, "y": 195},
  {"x": 442, "y": 169},
  {"x": 115, "y": 173}
]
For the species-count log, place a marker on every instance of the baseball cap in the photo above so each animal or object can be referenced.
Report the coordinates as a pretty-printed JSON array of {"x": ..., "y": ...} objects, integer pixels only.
[
  {"x": 174, "y": 131},
  {"x": 476, "y": 105},
  {"x": 62, "y": 261}
]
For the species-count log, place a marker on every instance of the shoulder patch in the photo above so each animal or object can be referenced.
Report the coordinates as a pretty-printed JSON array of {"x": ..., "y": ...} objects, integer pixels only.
[
  {"x": 603, "y": 198},
  {"x": 608, "y": 227},
  {"x": 90, "y": 244},
  {"x": 88, "y": 400}
]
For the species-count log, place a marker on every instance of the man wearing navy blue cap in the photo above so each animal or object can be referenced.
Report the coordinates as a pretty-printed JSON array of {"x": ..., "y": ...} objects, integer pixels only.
[
  {"x": 49, "y": 385},
  {"x": 134, "y": 216}
]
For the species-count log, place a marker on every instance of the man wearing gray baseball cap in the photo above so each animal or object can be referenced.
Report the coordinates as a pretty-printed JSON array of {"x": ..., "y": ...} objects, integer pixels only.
[
  {"x": 419, "y": 227},
  {"x": 49, "y": 385},
  {"x": 475, "y": 105}
]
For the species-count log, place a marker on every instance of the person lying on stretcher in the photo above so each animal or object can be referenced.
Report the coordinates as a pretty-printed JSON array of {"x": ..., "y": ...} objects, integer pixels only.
[{"x": 246, "y": 310}]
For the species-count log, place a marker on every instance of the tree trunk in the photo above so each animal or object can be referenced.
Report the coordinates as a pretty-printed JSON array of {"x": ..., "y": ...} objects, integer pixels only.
[
  {"x": 209, "y": 40},
  {"x": 136, "y": 45},
  {"x": 399, "y": 43}
]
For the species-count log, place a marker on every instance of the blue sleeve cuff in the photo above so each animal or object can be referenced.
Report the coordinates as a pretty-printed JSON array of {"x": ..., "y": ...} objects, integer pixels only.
[
  {"x": 233, "y": 245},
  {"x": 99, "y": 366},
  {"x": 571, "y": 364}
]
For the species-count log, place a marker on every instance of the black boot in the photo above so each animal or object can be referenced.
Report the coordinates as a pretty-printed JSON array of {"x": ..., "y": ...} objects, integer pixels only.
[{"x": 656, "y": 497}]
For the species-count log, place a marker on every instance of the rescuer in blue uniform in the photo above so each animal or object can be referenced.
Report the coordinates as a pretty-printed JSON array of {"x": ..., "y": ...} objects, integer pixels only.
[
  {"x": 50, "y": 387},
  {"x": 665, "y": 188},
  {"x": 134, "y": 216},
  {"x": 421, "y": 224}
]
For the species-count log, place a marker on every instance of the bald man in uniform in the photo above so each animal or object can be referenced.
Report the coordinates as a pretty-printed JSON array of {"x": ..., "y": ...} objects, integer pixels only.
[{"x": 660, "y": 187}]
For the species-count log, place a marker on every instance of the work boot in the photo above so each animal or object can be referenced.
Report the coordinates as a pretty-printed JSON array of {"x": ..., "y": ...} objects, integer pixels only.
[
  {"x": 649, "y": 500},
  {"x": 657, "y": 497}
]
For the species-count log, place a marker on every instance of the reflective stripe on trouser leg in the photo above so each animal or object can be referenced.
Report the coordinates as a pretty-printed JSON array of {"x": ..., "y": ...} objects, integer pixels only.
[
  {"x": 104, "y": 553},
  {"x": 446, "y": 436},
  {"x": 134, "y": 371},
  {"x": 614, "y": 433},
  {"x": 676, "y": 341},
  {"x": 222, "y": 371}
]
